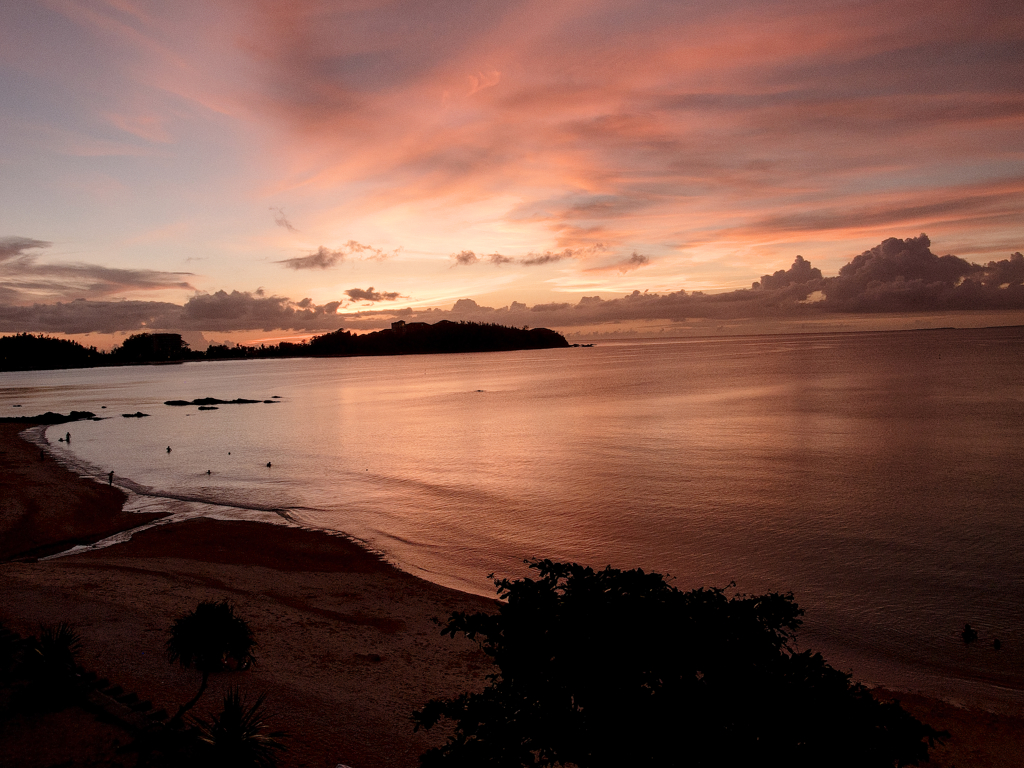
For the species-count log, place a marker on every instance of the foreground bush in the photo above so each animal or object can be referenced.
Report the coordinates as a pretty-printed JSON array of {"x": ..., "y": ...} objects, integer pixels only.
[
  {"x": 617, "y": 668},
  {"x": 238, "y": 737},
  {"x": 49, "y": 663}
]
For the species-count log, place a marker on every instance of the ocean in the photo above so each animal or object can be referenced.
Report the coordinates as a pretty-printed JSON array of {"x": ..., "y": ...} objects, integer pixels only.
[{"x": 879, "y": 477}]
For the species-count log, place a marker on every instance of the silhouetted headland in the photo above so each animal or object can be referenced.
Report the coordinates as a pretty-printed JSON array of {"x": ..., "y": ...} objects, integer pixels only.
[{"x": 25, "y": 352}]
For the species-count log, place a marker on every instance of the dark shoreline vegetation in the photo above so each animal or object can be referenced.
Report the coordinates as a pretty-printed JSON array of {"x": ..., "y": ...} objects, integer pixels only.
[
  {"x": 26, "y": 352},
  {"x": 596, "y": 669},
  {"x": 611, "y": 668}
]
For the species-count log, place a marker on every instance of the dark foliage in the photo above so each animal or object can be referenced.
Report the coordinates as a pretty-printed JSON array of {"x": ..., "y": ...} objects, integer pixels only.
[
  {"x": 615, "y": 668},
  {"x": 153, "y": 348},
  {"x": 417, "y": 339},
  {"x": 237, "y": 737},
  {"x": 25, "y": 352},
  {"x": 49, "y": 664},
  {"x": 210, "y": 639}
]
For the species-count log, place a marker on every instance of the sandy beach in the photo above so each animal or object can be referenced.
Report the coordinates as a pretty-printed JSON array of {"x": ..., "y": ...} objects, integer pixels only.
[{"x": 349, "y": 646}]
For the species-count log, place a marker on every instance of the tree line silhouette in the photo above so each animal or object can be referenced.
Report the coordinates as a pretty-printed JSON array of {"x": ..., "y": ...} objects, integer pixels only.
[{"x": 26, "y": 352}]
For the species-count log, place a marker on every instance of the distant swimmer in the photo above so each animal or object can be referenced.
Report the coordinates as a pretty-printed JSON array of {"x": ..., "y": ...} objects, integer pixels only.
[
  {"x": 168, "y": 449},
  {"x": 208, "y": 472},
  {"x": 969, "y": 635},
  {"x": 268, "y": 463},
  {"x": 110, "y": 477}
]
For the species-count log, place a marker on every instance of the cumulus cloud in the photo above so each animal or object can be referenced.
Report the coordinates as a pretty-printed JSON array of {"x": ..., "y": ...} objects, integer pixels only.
[
  {"x": 1005, "y": 273},
  {"x": 242, "y": 311},
  {"x": 325, "y": 258},
  {"x": 894, "y": 276},
  {"x": 800, "y": 272},
  {"x": 359, "y": 294},
  {"x": 900, "y": 275},
  {"x": 904, "y": 275},
  {"x": 83, "y": 316},
  {"x": 635, "y": 261},
  {"x": 464, "y": 258}
]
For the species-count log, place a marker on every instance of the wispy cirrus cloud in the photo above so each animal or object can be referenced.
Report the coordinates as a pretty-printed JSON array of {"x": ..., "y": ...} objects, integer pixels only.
[
  {"x": 714, "y": 140},
  {"x": 325, "y": 258},
  {"x": 15, "y": 247},
  {"x": 372, "y": 296},
  {"x": 467, "y": 258},
  {"x": 634, "y": 261},
  {"x": 730, "y": 117},
  {"x": 26, "y": 279},
  {"x": 281, "y": 220}
]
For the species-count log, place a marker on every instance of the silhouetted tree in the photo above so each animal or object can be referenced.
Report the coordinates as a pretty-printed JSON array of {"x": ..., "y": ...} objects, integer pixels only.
[
  {"x": 50, "y": 663},
  {"x": 153, "y": 348},
  {"x": 210, "y": 639},
  {"x": 236, "y": 738},
  {"x": 617, "y": 668},
  {"x": 25, "y": 352}
]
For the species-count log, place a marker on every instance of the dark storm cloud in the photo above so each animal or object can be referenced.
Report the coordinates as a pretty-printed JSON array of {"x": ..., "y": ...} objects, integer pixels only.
[{"x": 359, "y": 294}]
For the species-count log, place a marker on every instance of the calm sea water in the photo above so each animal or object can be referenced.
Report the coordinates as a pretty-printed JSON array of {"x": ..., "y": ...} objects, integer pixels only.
[{"x": 877, "y": 476}]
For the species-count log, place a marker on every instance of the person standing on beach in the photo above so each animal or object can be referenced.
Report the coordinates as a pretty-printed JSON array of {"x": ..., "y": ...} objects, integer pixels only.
[{"x": 110, "y": 477}]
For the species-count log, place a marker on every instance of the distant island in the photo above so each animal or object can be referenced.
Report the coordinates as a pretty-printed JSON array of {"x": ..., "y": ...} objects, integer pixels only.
[{"x": 25, "y": 352}]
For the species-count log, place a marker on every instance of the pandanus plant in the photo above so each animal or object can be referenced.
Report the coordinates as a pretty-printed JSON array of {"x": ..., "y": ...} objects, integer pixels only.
[
  {"x": 210, "y": 639},
  {"x": 238, "y": 736}
]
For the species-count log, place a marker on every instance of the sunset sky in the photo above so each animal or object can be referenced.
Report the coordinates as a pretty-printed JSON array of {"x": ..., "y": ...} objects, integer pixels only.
[{"x": 243, "y": 169}]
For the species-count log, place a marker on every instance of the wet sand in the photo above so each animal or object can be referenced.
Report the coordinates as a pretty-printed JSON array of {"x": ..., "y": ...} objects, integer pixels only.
[{"x": 349, "y": 646}]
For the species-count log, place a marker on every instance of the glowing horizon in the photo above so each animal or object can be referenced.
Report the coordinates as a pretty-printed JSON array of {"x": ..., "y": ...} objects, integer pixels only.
[{"x": 408, "y": 155}]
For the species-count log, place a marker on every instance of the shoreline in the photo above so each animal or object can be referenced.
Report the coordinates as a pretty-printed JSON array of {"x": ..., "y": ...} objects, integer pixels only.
[{"x": 348, "y": 648}]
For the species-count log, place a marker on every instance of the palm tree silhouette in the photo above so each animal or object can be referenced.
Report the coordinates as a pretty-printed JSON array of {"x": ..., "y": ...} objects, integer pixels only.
[
  {"x": 237, "y": 736},
  {"x": 210, "y": 639}
]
